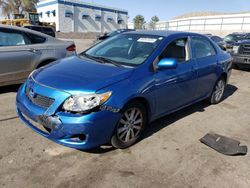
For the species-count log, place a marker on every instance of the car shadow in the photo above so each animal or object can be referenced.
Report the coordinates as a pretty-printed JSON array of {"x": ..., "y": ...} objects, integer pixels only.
[
  {"x": 9, "y": 89},
  {"x": 167, "y": 120},
  {"x": 176, "y": 116}
]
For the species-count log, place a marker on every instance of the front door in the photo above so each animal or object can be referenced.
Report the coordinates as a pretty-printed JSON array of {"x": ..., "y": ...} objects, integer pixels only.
[{"x": 175, "y": 88}]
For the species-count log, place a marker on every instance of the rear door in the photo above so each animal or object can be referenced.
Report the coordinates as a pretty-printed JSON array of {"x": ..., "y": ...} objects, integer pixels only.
[
  {"x": 205, "y": 55},
  {"x": 16, "y": 56}
]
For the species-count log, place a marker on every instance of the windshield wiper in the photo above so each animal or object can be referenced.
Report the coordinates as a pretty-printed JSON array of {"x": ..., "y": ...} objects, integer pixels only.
[
  {"x": 106, "y": 60},
  {"x": 88, "y": 56},
  {"x": 101, "y": 59}
]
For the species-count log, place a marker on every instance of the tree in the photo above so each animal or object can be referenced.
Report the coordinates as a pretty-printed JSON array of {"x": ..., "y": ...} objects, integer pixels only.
[
  {"x": 17, "y": 6},
  {"x": 139, "y": 21},
  {"x": 153, "y": 22}
]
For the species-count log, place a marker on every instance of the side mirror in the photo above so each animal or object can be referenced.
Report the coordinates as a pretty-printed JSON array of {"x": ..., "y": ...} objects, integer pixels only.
[{"x": 167, "y": 63}]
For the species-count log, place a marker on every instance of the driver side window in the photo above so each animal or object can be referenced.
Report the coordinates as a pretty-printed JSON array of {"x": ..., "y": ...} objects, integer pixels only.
[{"x": 177, "y": 49}]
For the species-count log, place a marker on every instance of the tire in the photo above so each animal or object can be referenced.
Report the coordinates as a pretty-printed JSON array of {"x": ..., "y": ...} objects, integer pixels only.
[
  {"x": 131, "y": 125},
  {"x": 218, "y": 92}
]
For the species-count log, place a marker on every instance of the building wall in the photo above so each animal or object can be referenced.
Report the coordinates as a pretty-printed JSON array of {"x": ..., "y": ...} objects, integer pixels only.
[
  {"x": 76, "y": 23},
  {"x": 209, "y": 24},
  {"x": 49, "y": 17}
]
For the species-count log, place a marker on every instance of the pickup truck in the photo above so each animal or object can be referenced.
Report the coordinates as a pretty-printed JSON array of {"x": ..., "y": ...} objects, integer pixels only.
[{"x": 241, "y": 52}]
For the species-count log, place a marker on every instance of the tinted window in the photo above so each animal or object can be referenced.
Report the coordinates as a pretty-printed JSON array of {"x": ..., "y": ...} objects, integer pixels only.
[
  {"x": 201, "y": 47},
  {"x": 13, "y": 38},
  {"x": 216, "y": 39},
  {"x": 178, "y": 49},
  {"x": 35, "y": 39}
]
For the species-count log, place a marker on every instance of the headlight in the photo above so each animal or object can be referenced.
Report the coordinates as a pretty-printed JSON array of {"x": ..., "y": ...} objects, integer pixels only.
[
  {"x": 235, "y": 49},
  {"x": 81, "y": 103}
]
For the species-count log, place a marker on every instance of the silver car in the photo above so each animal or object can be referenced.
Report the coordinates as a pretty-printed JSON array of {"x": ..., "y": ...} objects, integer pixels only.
[{"x": 23, "y": 50}]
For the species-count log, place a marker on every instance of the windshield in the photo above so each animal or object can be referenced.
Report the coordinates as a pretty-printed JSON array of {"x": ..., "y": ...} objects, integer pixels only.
[
  {"x": 34, "y": 17},
  {"x": 233, "y": 38},
  {"x": 125, "y": 49}
]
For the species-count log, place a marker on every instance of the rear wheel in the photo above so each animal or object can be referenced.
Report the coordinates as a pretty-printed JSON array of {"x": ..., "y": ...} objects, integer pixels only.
[
  {"x": 218, "y": 91},
  {"x": 130, "y": 126}
]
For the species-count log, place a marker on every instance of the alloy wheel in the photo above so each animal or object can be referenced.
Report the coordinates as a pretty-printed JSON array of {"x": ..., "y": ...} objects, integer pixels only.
[
  {"x": 130, "y": 125},
  {"x": 219, "y": 90}
]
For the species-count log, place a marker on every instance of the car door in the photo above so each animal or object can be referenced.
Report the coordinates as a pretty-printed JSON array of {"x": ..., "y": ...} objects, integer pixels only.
[
  {"x": 175, "y": 88},
  {"x": 15, "y": 55},
  {"x": 204, "y": 54}
]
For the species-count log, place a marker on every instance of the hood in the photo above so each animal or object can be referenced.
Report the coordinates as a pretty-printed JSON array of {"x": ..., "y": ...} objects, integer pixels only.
[
  {"x": 77, "y": 74},
  {"x": 246, "y": 41}
]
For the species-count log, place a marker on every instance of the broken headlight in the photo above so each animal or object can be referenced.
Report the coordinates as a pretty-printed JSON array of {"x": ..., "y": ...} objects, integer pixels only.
[{"x": 82, "y": 103}]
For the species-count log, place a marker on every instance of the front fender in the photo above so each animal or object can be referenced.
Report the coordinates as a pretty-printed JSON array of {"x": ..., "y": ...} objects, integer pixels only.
[{"x": 129, "y": 89}]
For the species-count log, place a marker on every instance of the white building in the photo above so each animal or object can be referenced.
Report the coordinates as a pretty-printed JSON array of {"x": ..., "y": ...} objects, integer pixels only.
[{"x": 79, "y": 16}]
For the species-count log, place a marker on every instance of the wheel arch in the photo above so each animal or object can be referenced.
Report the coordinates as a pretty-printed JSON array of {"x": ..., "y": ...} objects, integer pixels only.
[
  {"x": 224, "y": 75},
  {"x": 45, "y": 62},
  {"x": 143, "y": 101}
]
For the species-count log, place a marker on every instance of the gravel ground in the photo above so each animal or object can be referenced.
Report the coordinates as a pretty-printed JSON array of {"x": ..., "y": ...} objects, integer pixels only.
[{"x": 169, "y": 155}]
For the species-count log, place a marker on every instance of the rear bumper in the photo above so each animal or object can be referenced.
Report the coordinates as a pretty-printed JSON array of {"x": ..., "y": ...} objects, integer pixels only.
[
  {"x": 95, "y": 128},
  {"x": 241, "y": 59}
]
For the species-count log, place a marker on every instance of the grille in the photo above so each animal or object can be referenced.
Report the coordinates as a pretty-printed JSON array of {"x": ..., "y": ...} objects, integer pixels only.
[
  {"x": 245, "y": 49},
  {"x": 37, "y": 99}
]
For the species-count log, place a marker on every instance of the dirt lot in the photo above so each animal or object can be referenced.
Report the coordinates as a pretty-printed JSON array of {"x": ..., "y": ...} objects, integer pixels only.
[{"x": 169, "y": 155}]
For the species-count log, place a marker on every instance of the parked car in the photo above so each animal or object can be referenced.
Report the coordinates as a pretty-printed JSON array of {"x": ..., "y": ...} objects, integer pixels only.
[
  {"x": 231, "y": 39},
  {"x": 46, "y": 30},
  {"x": 112, "y": 91},
  {"x": 23, "y": 50},
  {"x": 241, "y": 52},
  {"x": 218, "y": 40},
  {"x": 113, "y": 33}
]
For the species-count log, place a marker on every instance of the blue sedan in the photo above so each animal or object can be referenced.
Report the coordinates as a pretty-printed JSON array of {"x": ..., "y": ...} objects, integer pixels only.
[{"x": 112, "y": 91}]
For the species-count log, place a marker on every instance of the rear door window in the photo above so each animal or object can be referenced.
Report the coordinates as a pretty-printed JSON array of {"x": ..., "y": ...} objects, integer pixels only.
[
  {"x": 217, "y": 39},
  {"x": 201, "y": 47},
  {"x": 35, "y": 39}
]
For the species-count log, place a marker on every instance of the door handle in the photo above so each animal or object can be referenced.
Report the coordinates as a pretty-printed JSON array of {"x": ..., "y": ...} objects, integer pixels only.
[{"x": 33, "y": 50}]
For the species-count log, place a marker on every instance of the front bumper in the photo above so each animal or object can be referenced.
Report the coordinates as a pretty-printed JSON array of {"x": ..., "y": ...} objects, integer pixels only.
[
  {"x": 241, "y": 59},
  {"x": 95, "y": 128}
]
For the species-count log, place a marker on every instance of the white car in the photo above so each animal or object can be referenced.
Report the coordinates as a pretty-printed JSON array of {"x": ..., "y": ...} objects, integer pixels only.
[{"x": 23, "y": 50}]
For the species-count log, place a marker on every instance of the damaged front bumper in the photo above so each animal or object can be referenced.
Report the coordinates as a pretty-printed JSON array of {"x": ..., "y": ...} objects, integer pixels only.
[{"x": 80, "y": 131}]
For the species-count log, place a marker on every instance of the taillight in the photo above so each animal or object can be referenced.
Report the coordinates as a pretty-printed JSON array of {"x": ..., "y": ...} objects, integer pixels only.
[{"x": 71, "y": 48}]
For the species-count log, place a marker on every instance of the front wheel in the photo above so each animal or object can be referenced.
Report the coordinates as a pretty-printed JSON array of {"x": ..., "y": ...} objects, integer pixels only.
[
  {"x": 218, "y": 91},
  {"x": 130, "y": 126}
]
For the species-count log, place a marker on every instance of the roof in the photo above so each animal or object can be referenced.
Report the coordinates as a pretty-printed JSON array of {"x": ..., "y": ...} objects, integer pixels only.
[
  {"x": 160, "y": 32},
  {"x": 25, "y": 29},
  {"x": 80, "y": 3}
]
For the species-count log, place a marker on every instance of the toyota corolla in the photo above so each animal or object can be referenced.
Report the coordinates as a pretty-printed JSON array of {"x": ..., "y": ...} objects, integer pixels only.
[{"x": 112, "y": 91}]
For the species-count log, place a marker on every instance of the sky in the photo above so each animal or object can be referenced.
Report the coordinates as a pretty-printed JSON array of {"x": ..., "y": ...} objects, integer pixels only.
[{"x": 167, "y": 9}]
